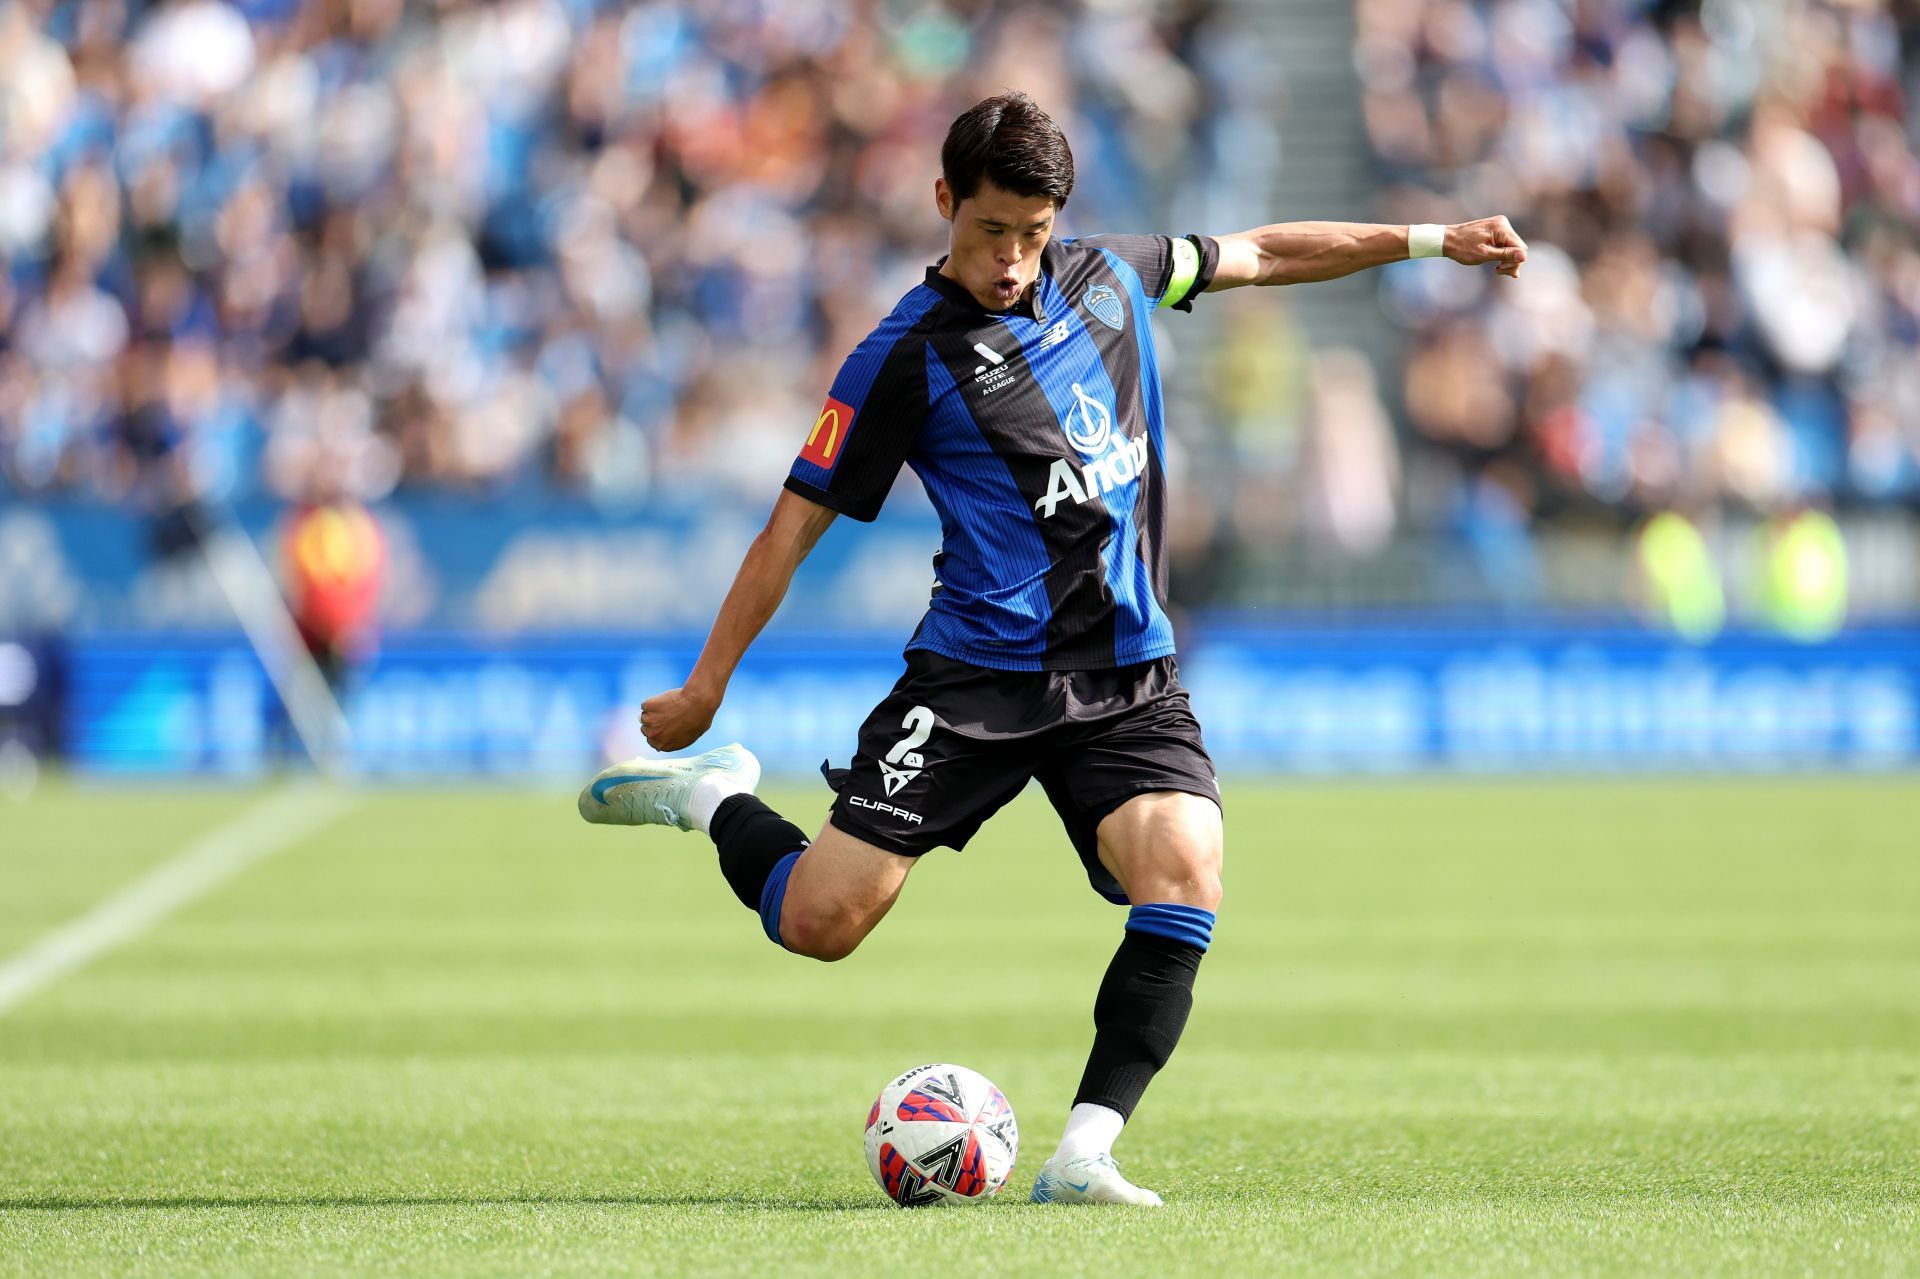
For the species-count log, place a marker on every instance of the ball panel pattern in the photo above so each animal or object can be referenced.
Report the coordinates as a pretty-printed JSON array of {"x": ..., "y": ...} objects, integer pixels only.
[
  {"x": 921, "y": 1104},
  {"x": 940, "y": 1134}
]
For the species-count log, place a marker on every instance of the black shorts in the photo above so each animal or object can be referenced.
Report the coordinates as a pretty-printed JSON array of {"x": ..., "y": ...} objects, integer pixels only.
[{"x": 954, "y": 742}]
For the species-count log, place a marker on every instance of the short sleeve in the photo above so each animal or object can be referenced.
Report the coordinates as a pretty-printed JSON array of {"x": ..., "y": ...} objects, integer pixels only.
[
  {"x": 855, "y": 448},
  {"x": 1172, "y": 270}
]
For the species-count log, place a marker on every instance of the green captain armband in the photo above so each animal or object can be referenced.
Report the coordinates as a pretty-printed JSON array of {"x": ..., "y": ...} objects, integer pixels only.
[{"x": 1186, "y": 267}]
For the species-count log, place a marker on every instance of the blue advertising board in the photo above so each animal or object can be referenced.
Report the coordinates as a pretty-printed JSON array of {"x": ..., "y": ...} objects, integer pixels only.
[
  {"x": 1299, "y": 698},
  {"x": 474, "y": 566}
]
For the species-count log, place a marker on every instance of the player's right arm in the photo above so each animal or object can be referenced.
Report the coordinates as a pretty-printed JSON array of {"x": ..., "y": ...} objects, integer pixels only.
[
  {"x": 674, "y": 719},
  {"x": 848, "y": 462}
]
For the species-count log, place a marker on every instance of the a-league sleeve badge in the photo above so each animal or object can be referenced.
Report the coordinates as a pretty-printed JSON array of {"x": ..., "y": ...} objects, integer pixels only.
[{"x": 829, "y": 434}]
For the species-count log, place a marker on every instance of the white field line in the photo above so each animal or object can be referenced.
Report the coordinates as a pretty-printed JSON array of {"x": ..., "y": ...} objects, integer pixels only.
[
  {"x": 275, "y": 823},
  {"x": 244, "y": 578}
]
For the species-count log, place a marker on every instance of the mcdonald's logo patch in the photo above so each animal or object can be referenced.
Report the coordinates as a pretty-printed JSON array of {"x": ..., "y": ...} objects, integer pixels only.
[{"x": 829, "y": 433}]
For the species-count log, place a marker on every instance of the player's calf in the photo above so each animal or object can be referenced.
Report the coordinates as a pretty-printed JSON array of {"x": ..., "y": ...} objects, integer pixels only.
[
  {"x": 1164, "y": 849},
  {"x": 819, "y": 899},
  {"x": 712, "y": 793},
  {"x": 838, "y": 893}
]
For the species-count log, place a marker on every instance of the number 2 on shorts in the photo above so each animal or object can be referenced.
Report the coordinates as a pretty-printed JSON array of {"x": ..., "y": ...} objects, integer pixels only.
[{"x": 907, "y": 749}]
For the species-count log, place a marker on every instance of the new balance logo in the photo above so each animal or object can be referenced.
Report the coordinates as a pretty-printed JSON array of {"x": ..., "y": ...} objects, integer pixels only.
[{"x": 1055, "y": 336}]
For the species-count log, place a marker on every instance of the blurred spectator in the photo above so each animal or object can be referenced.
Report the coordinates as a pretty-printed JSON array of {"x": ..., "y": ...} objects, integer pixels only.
[
  {"x": 333, "y": 563},
  {"x": 1352, "y": 464},
  {"x": 1723, "y": 200},
  {"x": 1806, "y": 574},
  {"x": 548, "y": 245},
  {"x": 612, "y": 252},
  {"x": 1679, "y": 586}
]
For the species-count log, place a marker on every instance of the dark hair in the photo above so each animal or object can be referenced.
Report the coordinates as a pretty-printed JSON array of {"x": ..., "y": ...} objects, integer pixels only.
[{"x": 1008, "y": 140}]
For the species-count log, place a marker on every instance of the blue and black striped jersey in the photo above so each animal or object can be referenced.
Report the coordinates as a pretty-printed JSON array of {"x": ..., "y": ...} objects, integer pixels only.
[{"x": 1038, "y": 433}]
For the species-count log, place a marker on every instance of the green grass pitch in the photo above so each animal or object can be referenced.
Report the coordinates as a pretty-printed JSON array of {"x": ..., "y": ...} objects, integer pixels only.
[{"x": 1623, "y": 1027}]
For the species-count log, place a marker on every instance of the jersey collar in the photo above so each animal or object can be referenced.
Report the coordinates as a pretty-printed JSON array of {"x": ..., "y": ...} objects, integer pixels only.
[{"x": 1031, "y": 306}]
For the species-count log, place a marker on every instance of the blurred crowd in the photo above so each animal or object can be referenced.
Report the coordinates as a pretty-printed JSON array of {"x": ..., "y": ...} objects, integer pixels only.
[
  {"x": 575, "y": 246},
  {"x": 333, "y": 249},
  {"x": 1722, "y": 305}
]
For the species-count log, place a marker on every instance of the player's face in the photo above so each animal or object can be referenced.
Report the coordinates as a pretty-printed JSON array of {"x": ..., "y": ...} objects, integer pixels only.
[{"x": 994, "y": 251}]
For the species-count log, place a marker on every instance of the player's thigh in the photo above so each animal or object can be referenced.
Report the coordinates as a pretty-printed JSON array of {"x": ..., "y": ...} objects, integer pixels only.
[
  {"x": 1165, "y": 846},
  {"x": 1138, "y": 794},
  {"x": 838, "y": 890}
]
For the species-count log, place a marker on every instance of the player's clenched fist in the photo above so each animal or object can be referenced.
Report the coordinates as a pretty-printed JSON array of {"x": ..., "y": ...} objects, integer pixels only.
[
  {"x": 673, "y": 720},
  {"x": 1486, "y": 240}
]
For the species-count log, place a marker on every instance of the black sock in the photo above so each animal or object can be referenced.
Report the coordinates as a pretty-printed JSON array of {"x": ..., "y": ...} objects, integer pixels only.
[
  {"x": 752, "y": 839},
  {"x": 1137, "y": 1018}
]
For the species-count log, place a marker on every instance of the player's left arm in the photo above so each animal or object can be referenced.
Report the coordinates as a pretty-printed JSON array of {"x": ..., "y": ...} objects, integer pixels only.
[{"x": 1305, "y": 252}]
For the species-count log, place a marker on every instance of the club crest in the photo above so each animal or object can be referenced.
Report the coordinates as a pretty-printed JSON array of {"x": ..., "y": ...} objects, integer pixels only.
[{"x": 1104, "y": 304}]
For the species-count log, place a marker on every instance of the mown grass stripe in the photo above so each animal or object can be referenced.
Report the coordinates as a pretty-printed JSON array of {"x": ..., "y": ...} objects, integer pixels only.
[{"x": 282, "y": 819}]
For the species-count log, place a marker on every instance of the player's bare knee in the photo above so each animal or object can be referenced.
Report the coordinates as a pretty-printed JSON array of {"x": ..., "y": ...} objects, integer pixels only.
[
  {"x": 829, "y": 948},
  {"x": 1197, "y": 862},
  {"x": 1208, "y": 890},
  {"x": 820, "y": 932},
  {"x": 1183, "y": 872},
  {"x": 1187, "y": 872},
  {"x": 1193, "y": 879}
]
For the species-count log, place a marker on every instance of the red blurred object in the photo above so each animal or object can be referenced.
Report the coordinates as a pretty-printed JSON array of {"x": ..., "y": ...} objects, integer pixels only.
[{"x": 336, "y": 559}]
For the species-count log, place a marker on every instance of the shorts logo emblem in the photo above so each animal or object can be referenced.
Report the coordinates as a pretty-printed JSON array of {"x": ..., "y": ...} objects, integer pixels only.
[
  {"x": 881, "y": 806},
  {"x": 1104, "y": 303}
]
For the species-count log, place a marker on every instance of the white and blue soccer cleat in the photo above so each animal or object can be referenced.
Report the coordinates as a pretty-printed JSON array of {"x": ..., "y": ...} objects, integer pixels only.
[
  {"x": 658, "y": 792},
  {"x": 1088, "y": 1179}
]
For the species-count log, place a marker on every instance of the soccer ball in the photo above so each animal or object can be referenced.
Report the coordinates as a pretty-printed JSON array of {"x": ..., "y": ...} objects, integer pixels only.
[{"x": 941, "y": 1134}]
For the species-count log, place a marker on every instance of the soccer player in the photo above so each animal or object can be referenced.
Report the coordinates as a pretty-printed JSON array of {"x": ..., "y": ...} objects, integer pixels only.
[{"x": 1020, "y": 384}]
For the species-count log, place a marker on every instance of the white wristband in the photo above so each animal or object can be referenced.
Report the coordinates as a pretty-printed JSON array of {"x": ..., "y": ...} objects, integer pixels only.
[{"x": 1426, "y": 240}]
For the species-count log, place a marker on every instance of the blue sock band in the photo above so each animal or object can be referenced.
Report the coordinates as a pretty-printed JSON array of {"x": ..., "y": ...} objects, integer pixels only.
[
  {"x": 1170, "y": 920},
  {"x": 774, "y": 893}
]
